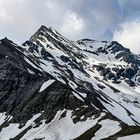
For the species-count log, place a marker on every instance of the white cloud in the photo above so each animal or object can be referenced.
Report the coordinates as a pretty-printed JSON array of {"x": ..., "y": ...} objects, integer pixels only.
[
  {"x": 129, "y": 35},
  {"x": 4, "y": 16},
  {"x": 73, "y": 25},
  {"x": 75, "y": 19}
]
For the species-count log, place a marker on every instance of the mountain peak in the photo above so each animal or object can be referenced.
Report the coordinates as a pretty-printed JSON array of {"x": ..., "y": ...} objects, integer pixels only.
[
  {"x": 6, "y": 41},
  {"x": 43, "y": 31}
]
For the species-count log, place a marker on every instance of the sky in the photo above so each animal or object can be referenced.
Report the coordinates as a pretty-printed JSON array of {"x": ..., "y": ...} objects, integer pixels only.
[{"x": 117, "y": 20}]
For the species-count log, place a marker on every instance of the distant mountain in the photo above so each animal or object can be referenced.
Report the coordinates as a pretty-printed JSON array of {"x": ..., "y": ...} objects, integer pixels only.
[{"x": 52, "y": 88}]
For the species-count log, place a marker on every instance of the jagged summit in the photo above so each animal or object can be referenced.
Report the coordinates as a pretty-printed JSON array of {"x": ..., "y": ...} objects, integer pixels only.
[
  {"x": 43, "y": 30},
  {"x": 50, "y": 84}
]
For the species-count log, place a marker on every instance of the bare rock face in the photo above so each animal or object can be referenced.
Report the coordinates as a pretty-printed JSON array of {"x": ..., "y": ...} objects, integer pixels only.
[{"x": 53, "y": 88}]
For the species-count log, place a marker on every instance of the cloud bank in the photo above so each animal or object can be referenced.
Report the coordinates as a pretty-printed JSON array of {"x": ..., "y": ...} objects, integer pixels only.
[
  {"x": 129, "y": 35},
  {"x": 73, "y": 18}
]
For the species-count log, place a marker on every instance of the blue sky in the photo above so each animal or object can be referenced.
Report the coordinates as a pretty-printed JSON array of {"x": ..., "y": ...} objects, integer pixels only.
[{"x": 97, "y": 19}]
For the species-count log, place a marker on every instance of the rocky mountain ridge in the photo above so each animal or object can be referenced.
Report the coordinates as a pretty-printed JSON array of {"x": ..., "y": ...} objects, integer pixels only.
[{"x": 50, "y": 84}]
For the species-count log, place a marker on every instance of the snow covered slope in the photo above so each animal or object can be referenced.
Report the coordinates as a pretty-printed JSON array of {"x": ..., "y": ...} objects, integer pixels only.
[{"x": 53, "y": 84}]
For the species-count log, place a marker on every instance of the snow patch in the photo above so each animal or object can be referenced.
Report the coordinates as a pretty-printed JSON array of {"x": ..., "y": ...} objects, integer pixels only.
[
  {"x": 46, "y": 84},
  {"x": 109, "y": 128}
]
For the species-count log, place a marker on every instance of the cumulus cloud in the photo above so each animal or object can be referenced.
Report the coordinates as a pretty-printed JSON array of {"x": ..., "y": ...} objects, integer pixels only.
[
  {"x": 73, "y": 26},
  {"x": 75, "y": 19},
  {"x": 129, "y": 35}
]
